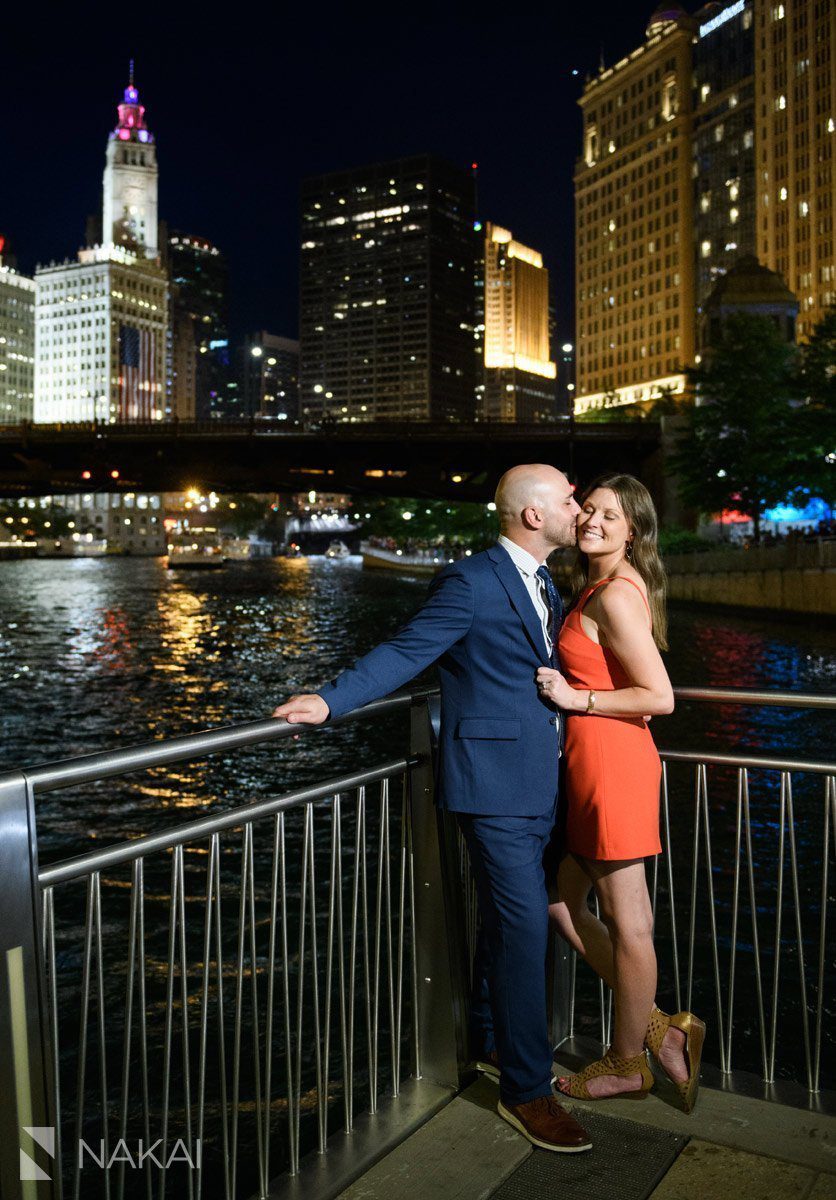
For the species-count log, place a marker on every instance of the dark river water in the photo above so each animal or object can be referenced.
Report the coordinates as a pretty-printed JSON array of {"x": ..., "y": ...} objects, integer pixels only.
[{"x": 108, "y": 653}]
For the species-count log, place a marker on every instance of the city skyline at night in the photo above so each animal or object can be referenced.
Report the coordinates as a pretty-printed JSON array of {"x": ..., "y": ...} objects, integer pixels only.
[{"x": 239, "y": 122}]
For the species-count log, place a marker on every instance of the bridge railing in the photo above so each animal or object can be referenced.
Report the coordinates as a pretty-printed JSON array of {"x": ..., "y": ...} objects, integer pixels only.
[{"x": 194, "y": 1009}]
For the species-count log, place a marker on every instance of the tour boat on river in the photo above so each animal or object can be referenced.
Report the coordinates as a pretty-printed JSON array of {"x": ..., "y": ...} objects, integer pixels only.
[
  {"x": 426, "y": 562},
  {"x": 198, "y": 550}
]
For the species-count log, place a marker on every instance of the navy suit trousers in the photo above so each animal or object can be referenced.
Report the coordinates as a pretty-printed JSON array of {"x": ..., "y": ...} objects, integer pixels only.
[{"x": 506, "y": 855}]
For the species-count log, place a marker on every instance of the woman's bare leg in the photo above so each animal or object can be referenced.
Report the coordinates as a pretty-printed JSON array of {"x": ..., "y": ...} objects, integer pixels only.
[
  {"x": 576, "y": 922},
  {"x": 590, "y": 937},
  {"x": 621, "y": 889}
]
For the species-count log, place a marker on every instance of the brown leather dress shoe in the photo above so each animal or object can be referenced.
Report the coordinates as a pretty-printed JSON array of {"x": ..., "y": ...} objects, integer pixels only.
[{"x": 546, "y": 1125}]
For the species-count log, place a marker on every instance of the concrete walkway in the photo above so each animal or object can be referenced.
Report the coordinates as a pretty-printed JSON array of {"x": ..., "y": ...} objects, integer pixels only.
[{"x": 731, "y": 1148}]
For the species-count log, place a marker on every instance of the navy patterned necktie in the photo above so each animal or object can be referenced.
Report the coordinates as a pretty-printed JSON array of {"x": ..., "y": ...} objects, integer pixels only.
[{"x": 555, "y": 606}]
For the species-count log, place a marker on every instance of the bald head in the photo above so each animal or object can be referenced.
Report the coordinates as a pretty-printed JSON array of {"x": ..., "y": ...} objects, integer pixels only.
[
  {"x": 526, "y": 486},
  {"x": 536, "y": 507}
]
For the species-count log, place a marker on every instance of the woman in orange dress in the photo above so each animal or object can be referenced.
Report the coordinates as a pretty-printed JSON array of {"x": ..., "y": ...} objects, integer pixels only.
[{"x": 612, "y": 678}]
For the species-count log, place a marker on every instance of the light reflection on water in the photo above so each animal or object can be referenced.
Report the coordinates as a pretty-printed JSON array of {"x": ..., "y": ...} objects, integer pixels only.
[{"x": 100, "y": 653}]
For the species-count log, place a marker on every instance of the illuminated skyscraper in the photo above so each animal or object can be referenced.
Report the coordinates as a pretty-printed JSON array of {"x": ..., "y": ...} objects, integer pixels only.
[
  {"x": 795, "y": 141},
  {"x": 200, "y": 287},
  {"x": 387, "y": 298},
  {"x": 724, "y": 140},
  {"x": 634, "y": 243},
  {"x": 129, "y": 211},
  {"x": 270, "y": 377},
  {"x": 101, "y": 323},
  {"x": 519, "y": 372},
  {"x": 17, "y": 344}
]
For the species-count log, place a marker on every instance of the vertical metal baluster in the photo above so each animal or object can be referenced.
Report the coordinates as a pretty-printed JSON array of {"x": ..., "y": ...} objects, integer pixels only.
[
  {"x": 204, "y": 1005},
  {"x": 300, "y": 985},
  {"x": 271, "y": 995},
  {"x": 374, "y": 1064},
  {"x": 753, "y": 906},
  {"x": 126, "y": 1051},
  {"x": 52, "y": 1001},
  {"x": 805, "y": 1015},
  {"x": 666, "y": 817},
  {"x": 320, "y": 1104},
  {"x": 143, "y": 1021},
  {"x": 712, "y": 916},
  {"x": 352, "y": 956},
  {"x": 219, "y": 969},
  {"x": 829, "y": 802},
  {"x": 367, "y": 982},
  {"x": 413, "y": 967},
  {"x": 387, "y": 868},
  {"x": 779, "y": 907},
  {"x": 573, "y": 974},
  {"x": 184, "y": 1003},
  {"x": 735, "y": 910},
  {"x": 341, "y": 953},
  {"x": 82, "y": 1032},
  {"x": 602, "y": 988},
  {"x": 239, "y": 1005},
  {"x": 169, "y": 1017},
  {"x": 256, "y": 1043},
  {"x": 293, "y": 1144},
  {"x": 692, "y": 928},
  {"x": 401, "y": 946},
  {"x": 101, "y": 1028},
  {"x": 329, "y": 958}
]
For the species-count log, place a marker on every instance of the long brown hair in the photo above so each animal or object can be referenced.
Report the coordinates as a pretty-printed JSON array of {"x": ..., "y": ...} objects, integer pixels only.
[{"x": 640, "y": 511}]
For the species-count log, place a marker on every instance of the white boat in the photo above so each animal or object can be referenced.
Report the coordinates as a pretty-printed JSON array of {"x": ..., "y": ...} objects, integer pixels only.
[
  {"x": 195, "y": 552},
  {"x": 338, "y": 549},
  {"x": 427, "y": 563}
]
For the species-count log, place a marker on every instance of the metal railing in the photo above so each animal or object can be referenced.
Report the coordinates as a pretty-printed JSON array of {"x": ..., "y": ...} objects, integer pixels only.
[
  {"x": 742, "y": 905},
  {"x": 190, "y": 1011},
  {"x": 243, "y": 987}
]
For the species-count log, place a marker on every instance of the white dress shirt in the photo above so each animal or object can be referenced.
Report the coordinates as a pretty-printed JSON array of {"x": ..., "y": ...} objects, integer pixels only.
[{"x": 527, "y": 566}]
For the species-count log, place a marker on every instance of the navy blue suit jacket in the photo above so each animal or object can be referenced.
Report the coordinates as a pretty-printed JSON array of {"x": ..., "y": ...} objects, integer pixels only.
[{"x": 498, "y": 746}]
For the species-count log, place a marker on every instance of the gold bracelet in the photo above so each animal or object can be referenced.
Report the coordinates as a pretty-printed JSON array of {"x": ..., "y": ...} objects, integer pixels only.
[{"x": 590, "y": 704}]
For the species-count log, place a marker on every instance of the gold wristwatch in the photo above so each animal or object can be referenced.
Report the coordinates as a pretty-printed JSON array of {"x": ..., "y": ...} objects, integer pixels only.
[{"x": 590, "y": 704}]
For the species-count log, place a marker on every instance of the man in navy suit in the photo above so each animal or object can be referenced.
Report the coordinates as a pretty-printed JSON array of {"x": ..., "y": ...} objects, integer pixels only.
[{"x": 489, "y": 622}]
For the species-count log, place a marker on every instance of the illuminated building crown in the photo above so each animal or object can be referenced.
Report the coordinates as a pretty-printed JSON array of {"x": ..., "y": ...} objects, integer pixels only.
[{"x": 131, "y": 126}]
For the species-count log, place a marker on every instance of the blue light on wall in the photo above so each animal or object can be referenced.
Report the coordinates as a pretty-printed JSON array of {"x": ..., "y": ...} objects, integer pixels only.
[{"x": 815, "y": 510}]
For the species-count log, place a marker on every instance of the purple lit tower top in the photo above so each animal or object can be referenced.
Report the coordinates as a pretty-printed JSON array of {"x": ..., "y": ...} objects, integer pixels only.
[
  {"x": 129, "y": 217},
  {"x": 131, "y": 126}
]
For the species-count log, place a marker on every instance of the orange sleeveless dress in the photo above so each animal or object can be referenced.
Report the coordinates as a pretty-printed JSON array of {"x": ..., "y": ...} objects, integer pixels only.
[{"x": 613, "y": 770}]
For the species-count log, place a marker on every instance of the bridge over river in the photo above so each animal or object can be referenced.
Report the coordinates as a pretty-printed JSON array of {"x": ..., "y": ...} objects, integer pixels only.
[{"x": 424, "y": 460}]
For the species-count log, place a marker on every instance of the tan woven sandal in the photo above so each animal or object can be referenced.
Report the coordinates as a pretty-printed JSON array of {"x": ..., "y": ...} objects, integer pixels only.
[
  {"x": 694, "y": 1030},
  {"x": 610, "y": 1064}
]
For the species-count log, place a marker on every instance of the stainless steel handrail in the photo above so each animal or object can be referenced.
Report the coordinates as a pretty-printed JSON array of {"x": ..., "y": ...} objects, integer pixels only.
[
  {"x": 203, "y": 827},
  {"x": 749, "y": 760},
  {"x": 756, "y": 697},
  {"x": 89, "y": 768}
]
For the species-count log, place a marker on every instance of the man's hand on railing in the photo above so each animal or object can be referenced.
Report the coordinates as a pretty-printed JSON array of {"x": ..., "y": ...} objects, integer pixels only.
[{"x": 303, "y": 710}]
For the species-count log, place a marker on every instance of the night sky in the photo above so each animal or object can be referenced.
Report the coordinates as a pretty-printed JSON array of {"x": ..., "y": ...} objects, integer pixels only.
[{"x": 246, "y": 104}]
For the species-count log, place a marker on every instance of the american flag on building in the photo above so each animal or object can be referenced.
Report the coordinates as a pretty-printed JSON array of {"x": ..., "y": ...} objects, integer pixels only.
[{"x": 137, "y": 373}]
